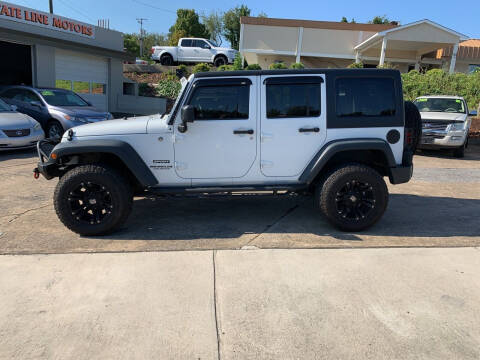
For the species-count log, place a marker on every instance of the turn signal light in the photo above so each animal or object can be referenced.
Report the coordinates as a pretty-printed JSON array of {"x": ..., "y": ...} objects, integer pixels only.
[{"x": 53, "y": 156}]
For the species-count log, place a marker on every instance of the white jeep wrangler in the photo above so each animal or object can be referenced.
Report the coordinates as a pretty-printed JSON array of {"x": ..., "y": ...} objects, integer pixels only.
[{"x": 334, "y": 134}]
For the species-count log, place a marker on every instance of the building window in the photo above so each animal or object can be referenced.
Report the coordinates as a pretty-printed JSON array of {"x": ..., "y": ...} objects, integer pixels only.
[
  {"x": 99, "y": 89},
  {"x": 293, "y": 100},
  {"x": 81, "y": 87},
  {"x": 221, "y": 102},
  {"x": 63, "y": 84},
  {"x": 365, "y": 97}
]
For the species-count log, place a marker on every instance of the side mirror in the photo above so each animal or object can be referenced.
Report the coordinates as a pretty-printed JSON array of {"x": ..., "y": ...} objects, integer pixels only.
[
  {"x": 207, "y": 47},
  {"x": 36, "y": 103},
  {"x": 14, "y": 107},
  {"x": 188, "y": 116},
  {"x": 473, "y": 113}
]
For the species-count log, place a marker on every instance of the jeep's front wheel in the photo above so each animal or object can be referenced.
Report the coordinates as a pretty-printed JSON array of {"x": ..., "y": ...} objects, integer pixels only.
[
  {"x": 353, "y": 197},
  {"x": 93, "y": 200}
]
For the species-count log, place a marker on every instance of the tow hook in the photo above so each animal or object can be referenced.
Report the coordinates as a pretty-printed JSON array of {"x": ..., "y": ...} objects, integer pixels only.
[{"x": 36, "y": 173}]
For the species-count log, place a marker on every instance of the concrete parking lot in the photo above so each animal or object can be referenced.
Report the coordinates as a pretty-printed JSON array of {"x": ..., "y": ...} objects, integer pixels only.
[{"x": 439, "y": 207}]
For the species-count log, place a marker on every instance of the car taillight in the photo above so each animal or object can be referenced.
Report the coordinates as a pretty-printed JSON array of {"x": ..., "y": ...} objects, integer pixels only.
[{"x": 408, "y": 136}]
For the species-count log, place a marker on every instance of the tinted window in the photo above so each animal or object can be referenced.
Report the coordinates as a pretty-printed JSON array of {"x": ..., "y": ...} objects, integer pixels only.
[
  {"x": 186, "y": 43},
  {"x": 10, "y": 94},
  {"x": 356, "y": 97},
  {"x": 200, "y": 43},
  {"x": 4, "y": 107},
  {"x": 293, "y": 100},
  {"x": 221, "y": 102}
]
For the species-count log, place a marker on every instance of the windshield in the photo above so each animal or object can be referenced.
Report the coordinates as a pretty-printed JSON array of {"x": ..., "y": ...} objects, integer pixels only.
[
  {"x": 440, "y": 105},
  {"x": 213, "y": 43},
  {"x": 4, "y": 106},
  {"x": 62, "y": 98}
]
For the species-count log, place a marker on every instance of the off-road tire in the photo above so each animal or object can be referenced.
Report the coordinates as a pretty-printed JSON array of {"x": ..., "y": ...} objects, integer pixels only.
[
  {"x": 54, "y": 129},
  {"x": 111, "y": 181},
  {"x": 374, "y": 191},
  {"x": 413, "y": 121},
  {"x": 166, "y": 60},
  {"x": 220, "y": 60}
]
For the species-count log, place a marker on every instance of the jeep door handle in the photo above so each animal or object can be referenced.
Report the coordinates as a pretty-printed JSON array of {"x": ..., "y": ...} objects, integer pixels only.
[
  {"x": 239, "y": 132},
  {"x": 304, "y": 130}
]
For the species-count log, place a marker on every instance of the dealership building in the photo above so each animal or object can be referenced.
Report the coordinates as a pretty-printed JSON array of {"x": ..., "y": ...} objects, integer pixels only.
[
  {"x": 47, "y": 50},
  {"x": 423, "y": 44}
]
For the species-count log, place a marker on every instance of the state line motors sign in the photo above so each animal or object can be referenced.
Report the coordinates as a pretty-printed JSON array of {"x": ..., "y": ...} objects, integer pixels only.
[{"x": 45, "y": 20}]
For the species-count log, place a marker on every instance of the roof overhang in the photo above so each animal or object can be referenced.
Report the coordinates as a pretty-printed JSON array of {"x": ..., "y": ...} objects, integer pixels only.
[{"x": 378, "y": 37}]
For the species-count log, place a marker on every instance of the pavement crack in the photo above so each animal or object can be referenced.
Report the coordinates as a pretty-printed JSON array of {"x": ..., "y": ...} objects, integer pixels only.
[
  {"x": 215, "y": 302},
  {"x": 16, "y": 216},
  {"x": 269, "y": 226}
]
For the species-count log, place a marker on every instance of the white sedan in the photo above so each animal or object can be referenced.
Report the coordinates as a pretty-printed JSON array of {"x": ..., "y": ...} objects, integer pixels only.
[{"x": 17, "y": 130}]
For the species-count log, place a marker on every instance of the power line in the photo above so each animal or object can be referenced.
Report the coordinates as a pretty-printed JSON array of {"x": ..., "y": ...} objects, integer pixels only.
[
  {"x": 154, "y": 7},
  {"x": 76, "y": 10}
]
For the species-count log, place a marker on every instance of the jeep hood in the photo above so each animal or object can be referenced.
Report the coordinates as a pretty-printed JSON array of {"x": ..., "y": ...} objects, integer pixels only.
[
  {"x": 137, "y": 125},
  {"x": 443, "y": 116}
]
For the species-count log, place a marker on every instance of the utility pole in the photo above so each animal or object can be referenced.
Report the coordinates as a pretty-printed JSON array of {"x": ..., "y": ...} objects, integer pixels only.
[
  {"x": 51, "y": 6},
  {"x": 140, "y": 21}
]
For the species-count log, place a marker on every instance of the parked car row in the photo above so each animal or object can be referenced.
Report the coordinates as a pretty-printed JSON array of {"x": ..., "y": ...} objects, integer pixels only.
[{"x": 53, "y": 110}]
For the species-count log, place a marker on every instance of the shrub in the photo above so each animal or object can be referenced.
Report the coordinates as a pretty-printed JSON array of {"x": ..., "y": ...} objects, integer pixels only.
[
  {"x": 297, "y": 66},
  {"x": 277, "y": 66},
  {"x": 355, "y": 65},
  {"x": 386, "y": 65},
  {"x": 183, "y": 70},
  {"x": 238, "y": 62},
  {"x": 169, "y": 88},
  {"x": 253, "y": 67},
  {"x": 146, "y": 89},
  {"x": 225, "y": 68},
  {"x": 439, "y": 82},
  {"x": 201, "y": 67},
  {"x": 171, "y": 75}
]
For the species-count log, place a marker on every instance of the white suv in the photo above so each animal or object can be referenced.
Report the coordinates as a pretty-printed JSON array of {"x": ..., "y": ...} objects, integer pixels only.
[
  {"x": 445, "y": 123},
  {"x": 331, "y": 133}
]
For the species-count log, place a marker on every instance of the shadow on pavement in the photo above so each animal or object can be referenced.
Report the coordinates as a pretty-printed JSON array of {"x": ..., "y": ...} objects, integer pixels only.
[{"x": 209, "y": 218}]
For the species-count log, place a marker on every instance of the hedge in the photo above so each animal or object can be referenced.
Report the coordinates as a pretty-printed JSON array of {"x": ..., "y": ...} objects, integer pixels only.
[{"x": 438, "y": 82}]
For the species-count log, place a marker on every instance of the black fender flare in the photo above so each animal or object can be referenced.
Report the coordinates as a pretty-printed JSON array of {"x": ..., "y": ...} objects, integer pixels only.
[
  {"x": 337, "y": 146},
  {"x": 124, "y": 151}
]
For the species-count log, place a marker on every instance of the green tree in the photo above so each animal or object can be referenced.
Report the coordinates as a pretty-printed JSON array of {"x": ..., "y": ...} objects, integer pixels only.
[
  {"x": 214, "y": 25},
  {"x": 131, "y": 44},
  {"x": 231, "y": 24},
  {"x": 344, "y": 19},
  {"x": 187, "y": 25},
  {"x": 380, "y": 20}
]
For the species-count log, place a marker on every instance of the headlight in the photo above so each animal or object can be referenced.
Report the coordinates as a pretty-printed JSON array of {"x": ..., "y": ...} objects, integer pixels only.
[
  {"x": 109, "y": 116},
  {"x": 2, "y": 135},
  {"x": 457, "y": 126}
]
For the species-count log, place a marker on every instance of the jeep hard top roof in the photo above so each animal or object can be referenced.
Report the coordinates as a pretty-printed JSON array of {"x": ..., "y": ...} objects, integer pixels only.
[{"x": 295, "y": 72}]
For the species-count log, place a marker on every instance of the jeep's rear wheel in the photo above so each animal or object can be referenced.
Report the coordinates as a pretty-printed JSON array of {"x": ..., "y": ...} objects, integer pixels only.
[
  {"x": 93, "y": 200},
  {"x": 353, "y": 197}
]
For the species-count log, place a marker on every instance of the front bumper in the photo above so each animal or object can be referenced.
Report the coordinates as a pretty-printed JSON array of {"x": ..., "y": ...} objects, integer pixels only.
[
  {"x": 46, "y": 166},
  {"x": 442, "y": 139},
  {"x": 24, "y": 142}
]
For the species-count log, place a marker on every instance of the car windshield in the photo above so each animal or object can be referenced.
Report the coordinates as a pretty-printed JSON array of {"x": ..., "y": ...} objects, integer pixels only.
[
  {"x": 213, "y": 43},
  {"x": 440, "y": 105},
  {"x": 4, "y": 106},
  {"x": 62, "y": 98}
]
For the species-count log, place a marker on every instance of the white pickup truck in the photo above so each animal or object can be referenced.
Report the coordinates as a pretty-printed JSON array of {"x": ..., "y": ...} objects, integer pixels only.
[{"x": 191, "y": 50}]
